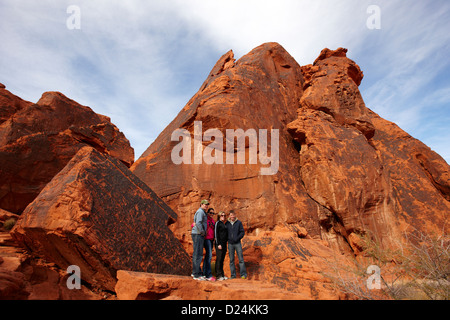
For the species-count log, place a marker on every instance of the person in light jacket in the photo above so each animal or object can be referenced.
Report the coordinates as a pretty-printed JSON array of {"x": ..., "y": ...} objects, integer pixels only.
[
  {"x": 235, "y": 234},
  {"x": 198, "y": 234}
]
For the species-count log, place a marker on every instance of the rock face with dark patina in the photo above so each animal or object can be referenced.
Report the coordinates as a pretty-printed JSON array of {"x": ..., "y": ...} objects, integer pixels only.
[
  {"x": 97, "y": 215},
  {"x": 38, "y": 140}
]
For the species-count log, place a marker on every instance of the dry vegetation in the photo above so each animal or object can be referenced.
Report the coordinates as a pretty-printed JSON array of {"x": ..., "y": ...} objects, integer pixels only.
[{"x": 417, "y": 269}]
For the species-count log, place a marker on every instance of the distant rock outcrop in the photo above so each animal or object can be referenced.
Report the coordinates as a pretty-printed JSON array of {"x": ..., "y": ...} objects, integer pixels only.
[
  {"x": 97, "y": 215},
  {"x": 38, "y": 140}
]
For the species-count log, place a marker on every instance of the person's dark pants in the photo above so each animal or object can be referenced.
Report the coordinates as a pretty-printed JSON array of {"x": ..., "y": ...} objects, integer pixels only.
[
  {"x": 197, "y": 257},
  {"x": 208, "y": 256},
  {"x": 238, "y": 248},
  {"x": 220, "y": 257}
]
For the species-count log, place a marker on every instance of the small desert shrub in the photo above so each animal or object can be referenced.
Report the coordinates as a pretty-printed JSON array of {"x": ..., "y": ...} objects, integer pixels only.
[
  {"x": 9, "y": 224},
  {"x": 417, "y": 269}
]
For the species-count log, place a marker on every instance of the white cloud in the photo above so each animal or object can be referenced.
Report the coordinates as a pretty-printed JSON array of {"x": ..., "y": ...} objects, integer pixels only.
[
  {"x": 122, "y": 62},
  {"x": 402, "y": 58},
  {"x": 139, "y": 62},
  {"x": 304, "y": 28}
]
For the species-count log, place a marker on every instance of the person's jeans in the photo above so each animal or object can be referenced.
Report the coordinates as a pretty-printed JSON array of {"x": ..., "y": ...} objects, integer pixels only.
[
  {"x": 238, "y": 248},
  {"x": 208, "y": 256},
  {"x": 198, "y": 254}
]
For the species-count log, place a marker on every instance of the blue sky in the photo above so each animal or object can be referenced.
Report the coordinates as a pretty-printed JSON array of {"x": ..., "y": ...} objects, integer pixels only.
[{"x": 139, "y": 62}]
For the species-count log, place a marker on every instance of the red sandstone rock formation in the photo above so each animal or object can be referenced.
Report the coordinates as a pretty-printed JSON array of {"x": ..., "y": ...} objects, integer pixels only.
[
  {"x": 371, "y": 175},
  {"x": 97, "y": 215},
  {"x": 344, "y": 172},
  {"x": 25, "y": 277},
  {"x": 37, "y": 141},
  {"x": 260, "y": 91},
  {"x": 150, "y": 286},
  {"x": 339, "y": 161},
  {"x": 10, "y": 104}
]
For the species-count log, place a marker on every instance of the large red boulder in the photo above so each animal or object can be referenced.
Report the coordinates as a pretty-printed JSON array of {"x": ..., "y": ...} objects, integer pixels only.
[
  {"x": 38, "y": 140},
  {"x": 97, "y": 215}
]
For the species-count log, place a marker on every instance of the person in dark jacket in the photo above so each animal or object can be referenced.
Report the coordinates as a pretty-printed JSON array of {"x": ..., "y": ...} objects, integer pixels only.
[
  {"x": 221, "y": 236},
  {"x": 235, "y": 234}
]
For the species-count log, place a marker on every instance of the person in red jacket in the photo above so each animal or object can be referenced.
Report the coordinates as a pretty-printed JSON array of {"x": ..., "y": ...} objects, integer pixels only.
[{"x": 208, "y": 243}]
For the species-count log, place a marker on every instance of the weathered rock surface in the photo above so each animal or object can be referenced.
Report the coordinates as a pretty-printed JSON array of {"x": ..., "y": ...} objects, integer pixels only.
[
  {"x": 150, "y": 286},
  {"x": 97, "y": 215},
  {"x": 262, "y": 90},
  {"x": 292, "y": 263},
  {"x": 38, "y": 140},
  {"x": 6, "y": 215},
  {"x": 10, "y": 104},
  {"x": 23, "y": 276},
  {"x": 371, "y": 175}
]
